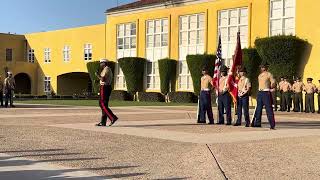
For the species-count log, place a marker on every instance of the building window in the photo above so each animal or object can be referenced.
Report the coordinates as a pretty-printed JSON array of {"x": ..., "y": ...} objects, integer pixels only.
[
  {"x": 31, "y": 55},
  {"x": 66, "y": 53},
  {"x": 47, "y": 84},
  {"x": 156, "y": 48},
  {"x": 191, "y": 41},
  {"x": 282, "y": 17},
  {"x": 87, "y": 52},
  {"x": 47, "y": 55},
  {"x": 8, "y": 54},
  {"x": 126, "y": 47},
  {"x": 232, "y": 21}
]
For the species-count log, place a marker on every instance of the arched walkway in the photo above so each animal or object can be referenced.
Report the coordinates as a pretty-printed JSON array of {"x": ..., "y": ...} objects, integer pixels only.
[
  {"x": 23, "y": 83},
  {"x": 77, "y": 83}
]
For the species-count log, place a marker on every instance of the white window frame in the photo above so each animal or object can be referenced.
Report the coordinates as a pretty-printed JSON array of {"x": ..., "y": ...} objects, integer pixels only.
[
  {"x": 126, "y": 47},
  {"x": 66, "y": 52},
  {"x": 47, "y": 84},
  {"x": 47, "y": 55},
  {"x": 229, "y": 42},
  {"x": 282, "y": 19},
  {"x": 157, "y": 31},
  {"x": 87, "y": 52},
  {"x": 31, "y": 56},
  {"x": 192, "y": 44}
]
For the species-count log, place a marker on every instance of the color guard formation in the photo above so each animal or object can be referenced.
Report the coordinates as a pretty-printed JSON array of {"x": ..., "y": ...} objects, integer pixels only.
[{"x": 269, "y": 92}]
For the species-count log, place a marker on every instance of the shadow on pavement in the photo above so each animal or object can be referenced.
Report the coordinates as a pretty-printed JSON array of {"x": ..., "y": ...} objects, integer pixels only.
[
  {"x": 31, "y": 170},
  {"x": 298, "y": 125},
  {"x": 160, "y": 125},
  {"x": 33, "y": 150},
  {"x": 56, "y": 175}
]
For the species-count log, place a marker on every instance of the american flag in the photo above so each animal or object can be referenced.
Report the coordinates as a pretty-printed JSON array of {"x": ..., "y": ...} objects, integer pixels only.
[{"x": 217, "y": 65}]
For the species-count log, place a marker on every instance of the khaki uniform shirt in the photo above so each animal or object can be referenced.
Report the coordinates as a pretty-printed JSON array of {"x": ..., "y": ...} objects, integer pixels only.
[
  {"x": 9, "y": 83},
  {"x": 266, "y": 81},
  {"x": 244, "y": 85},
  {"x": 206, "y": 82},
  {"x": 280, "y": 85},
  {"x": 297, "y": 87},
  {"x": 310, "y": 88},
  {"x": 286, "y": 86},
  {"x": 222, "y": 84},
  {"x": 106, "y": 75}
]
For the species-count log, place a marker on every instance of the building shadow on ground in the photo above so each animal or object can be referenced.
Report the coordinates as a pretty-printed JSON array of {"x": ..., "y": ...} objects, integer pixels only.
[{"x": 297, "y": 125}]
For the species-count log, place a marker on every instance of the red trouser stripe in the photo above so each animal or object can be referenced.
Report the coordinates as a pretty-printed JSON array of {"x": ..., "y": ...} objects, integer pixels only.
[{"x": 102, "y": 103}]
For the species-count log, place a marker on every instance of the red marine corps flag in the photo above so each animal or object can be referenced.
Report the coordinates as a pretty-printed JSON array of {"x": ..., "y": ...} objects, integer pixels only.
[{"x": 232, "y": 75}]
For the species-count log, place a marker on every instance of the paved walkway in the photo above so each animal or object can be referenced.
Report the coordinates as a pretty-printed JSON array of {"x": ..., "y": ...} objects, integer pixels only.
[
  {"x": 136, "y": 128},
  {"x": 152, "y": 143}
]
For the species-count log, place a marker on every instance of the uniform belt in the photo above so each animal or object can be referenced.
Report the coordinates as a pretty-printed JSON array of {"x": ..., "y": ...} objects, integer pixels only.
[
  {"x": 205, "y": 89},
  {"x": 264, "y": 90}
]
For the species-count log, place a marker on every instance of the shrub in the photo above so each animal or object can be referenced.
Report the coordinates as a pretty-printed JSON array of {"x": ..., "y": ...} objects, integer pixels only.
[
  {"x": 182, "y": 97},
  {"x": 133, "y": 70},
  {"x": 252, "y": 61},
  {"x": 167, "y": 71},
  {"x": 121, "y": 95},
  {"x": 94, "y": 67},
  {"x": 283, "y": 53},
  {"x": 195, "y": 65},
  {"x": 151, "y": 97}
]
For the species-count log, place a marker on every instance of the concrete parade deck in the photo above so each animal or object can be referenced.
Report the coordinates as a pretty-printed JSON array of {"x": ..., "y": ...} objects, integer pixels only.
[{"x": 61, "y": 142}]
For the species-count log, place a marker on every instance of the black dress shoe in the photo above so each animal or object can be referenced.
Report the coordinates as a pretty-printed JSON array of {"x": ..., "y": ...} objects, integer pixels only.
[
  {"x": 219, "y": 123},
  {"x": 257, "y": 126},
  {"x": 211, "y": 123},
  {"x": 272, "y": 128},
  {"x": 247, "y": 125},
  {"x": 237, "y": 124},
  {"x": 101, "y": 124},
  {"x": 228, "y": 124},
  {"x": 112, "y": 122}
]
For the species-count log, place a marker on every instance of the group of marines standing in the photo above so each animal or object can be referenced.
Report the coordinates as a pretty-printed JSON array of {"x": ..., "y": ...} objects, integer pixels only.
[
  {"x": 294, "y": 93},
  {"x": 266, "y": 97}
]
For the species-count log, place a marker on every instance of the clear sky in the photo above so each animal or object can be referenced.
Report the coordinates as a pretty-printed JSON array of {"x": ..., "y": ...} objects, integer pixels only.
[{"x": 27, "y": 16}]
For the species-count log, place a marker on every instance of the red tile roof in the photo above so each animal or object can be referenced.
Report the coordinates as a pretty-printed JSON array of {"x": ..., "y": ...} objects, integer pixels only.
[{"x": 137, "y": 4}]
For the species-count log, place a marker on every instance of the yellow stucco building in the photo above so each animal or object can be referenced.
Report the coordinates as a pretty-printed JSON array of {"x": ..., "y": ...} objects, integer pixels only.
[{"x": 154, "y": 29}]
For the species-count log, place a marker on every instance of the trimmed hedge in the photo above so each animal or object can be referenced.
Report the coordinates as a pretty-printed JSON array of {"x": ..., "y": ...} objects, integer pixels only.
[
  {"x": 151, "y": 97},
  {"x": 182, "y": 97},
  {"x": 283, "y": 53},
  {"x": 94, "y": 67},
  {"x": 133, "y": 69},
  {"x": 252, "y": 61},
  {"x": 167, "y": 72},
  {"x": 121, "y": 95},
  {"x": 195, "y": 65}
]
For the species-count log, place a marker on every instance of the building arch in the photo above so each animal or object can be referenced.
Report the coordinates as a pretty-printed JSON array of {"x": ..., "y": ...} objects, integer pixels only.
[{"x": 23, "y": 83}]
